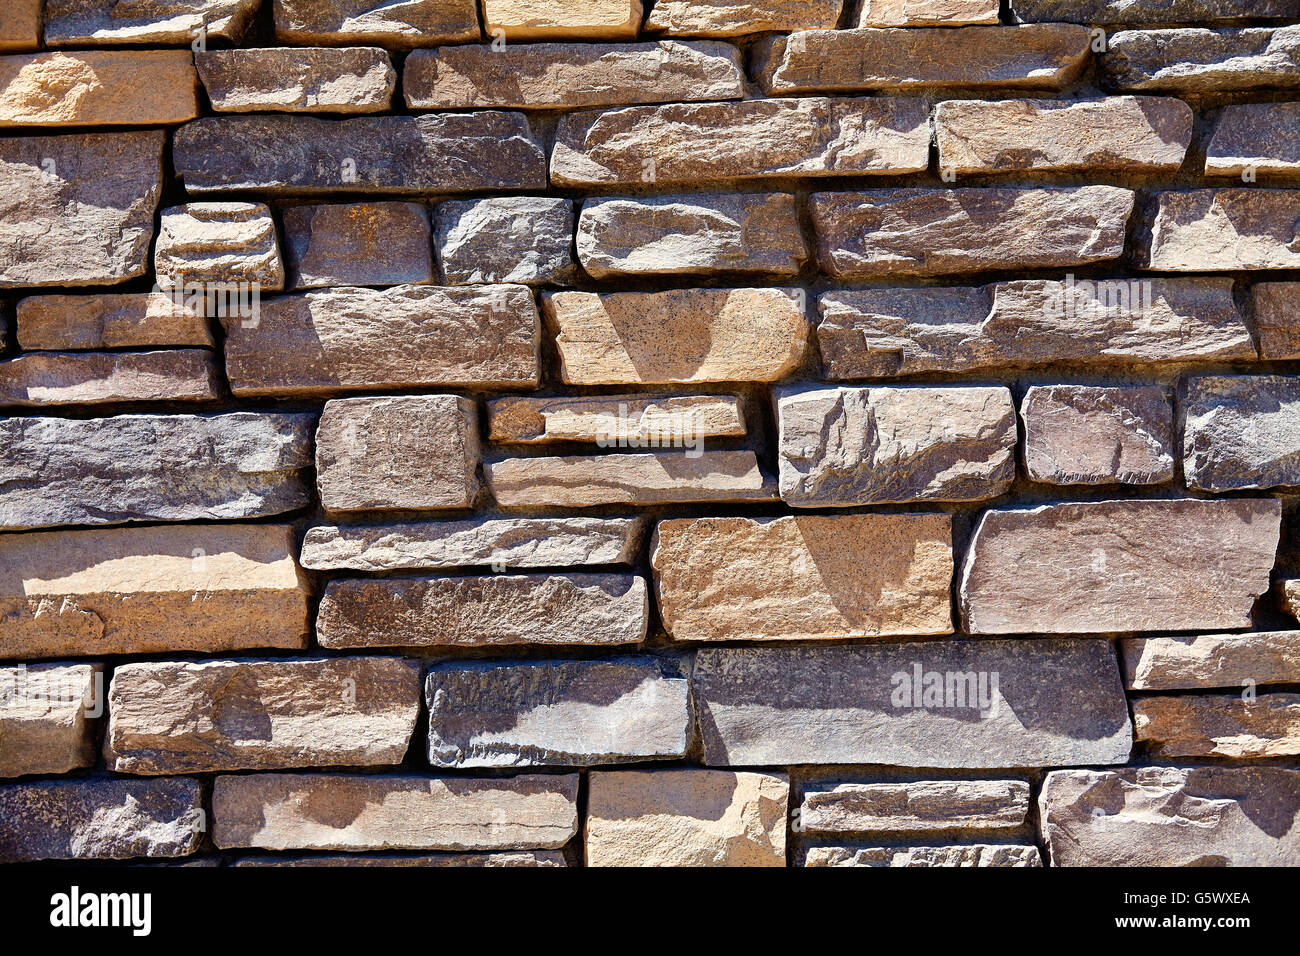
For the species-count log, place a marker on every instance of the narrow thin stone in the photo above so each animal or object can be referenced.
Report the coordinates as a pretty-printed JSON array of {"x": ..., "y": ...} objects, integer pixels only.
[
  {"x": 618, "y": 421},
  {"x": 1205, "y": 725},
  {"x": 922, "y": 806},
  {"x": 1179, "y": 662},
  {"x": 88, "y": 378},
  {"x": 124, "y": 320},
  {"x": 974, "y": 854},
  {"x": 323, "y": 80},
  {"x": 158, "y": 22}
]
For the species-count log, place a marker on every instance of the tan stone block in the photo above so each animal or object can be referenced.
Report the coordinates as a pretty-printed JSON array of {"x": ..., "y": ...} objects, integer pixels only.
[
  {"x": 926, "y": 13},
  {"x": 124, "y": 320},
  {"x": 926, "y": 805},
  {"x": 47, "y": 717},
  {"x": 616, "y": 421},
  {"x": 218, "y": 242},
  {"x": 98, "y": 88},
  {"x": 561, "y": 19},
  {"x": 725, "y": 18},
  {"x": 312, "y": 80},
  {"x": 1206, "y": 725},
  {"x": 39, "y": 379},
  {"x": 1179, "y": 662}
]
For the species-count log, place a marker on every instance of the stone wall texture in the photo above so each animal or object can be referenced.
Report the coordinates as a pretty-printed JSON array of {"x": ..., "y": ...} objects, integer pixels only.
[{"x": 650, "y": 432}]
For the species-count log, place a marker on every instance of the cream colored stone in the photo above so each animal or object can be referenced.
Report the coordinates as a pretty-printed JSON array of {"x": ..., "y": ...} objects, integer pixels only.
[
  {"x": 218, "y": 242},
  {"x": 725, "y": 18},
  {"x": 561, "y": 19},
  {"x": 926, "y": 13},
  {"x": 98, "y": 88},
  {"x": 47, "y": 716},
  {"x": 1180, "y": 662},
  {"x": 622, "y": 421},
  {"x": 311, "y": 80}
]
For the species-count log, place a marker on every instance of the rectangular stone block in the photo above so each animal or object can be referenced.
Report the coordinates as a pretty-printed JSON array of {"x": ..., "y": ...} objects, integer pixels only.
[
  {"x": 201, "y": 716},
  {"x": 686, "y": 818},
  {"x": 411, "y": 23},
  {"x": 1276, "y": 306},
  {"x": 346, "y": 340},
  {"x": 1241, "y": 431},
  {"x": 1259, "y": 137},
  {"x": 98, "y": 88},
  {"x": 20, "y": 25},
  {"x": 489, "y": 611},
  {"x": 803, "y": 577},
  {"x": 47, "y": 717},
  {"x": 1163, "y": 565},
  {"x": 1199, "y": 60},
  {"x": 120, "y": 321},
  {"x": 971, "y": 854},
  {"x": 841, "y": 447},
  {"x": 92, "y": 378},
  {"x": 1096, "y": 435},
  {"x": 560, "y": 19},
  {"x": 616, "y": 421},
  {"x": 918, "y": 232},
  {"x": 368, "y": 450},
  {"x": 218, "y": 242},
  {"x": 1207, "y": 230},
  {"x": 726, "y": 18},
  {"x": 319, "y": 80},
  {"x": 1211, "y": 725},
  {"x": 518, "y": 858},
  {"x": 557, "y": 713},
  {"x": 687, "y": 143},
  {"x": 1180, "y": 662},
  {"x": 525, "y": 239},
  {"x": 357, "y": 244},
  {"x": 927, "y": 13},
  {"x": 196, "y": 588},
  {"x": 161, "y": 22},
  {"x": 927, "y": 805},
  {"x": 985, "y": 704},
  {"x": 1148, "y": 11}
]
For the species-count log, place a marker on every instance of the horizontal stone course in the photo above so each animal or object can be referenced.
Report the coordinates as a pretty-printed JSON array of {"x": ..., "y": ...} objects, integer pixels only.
[
  {"x": 322, "y": 80},
  {"x": 98, "y": 88},
  {"x": 922, "y": 806},
  {"x": 90, "y": 378},
  {"x": 1197, "y": 60},
  {"x": 119, "y": 320}
]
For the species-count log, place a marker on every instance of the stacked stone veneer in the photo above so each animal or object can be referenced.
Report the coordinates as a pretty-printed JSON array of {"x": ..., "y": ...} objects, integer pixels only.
[{"x": 719, "y": 432}]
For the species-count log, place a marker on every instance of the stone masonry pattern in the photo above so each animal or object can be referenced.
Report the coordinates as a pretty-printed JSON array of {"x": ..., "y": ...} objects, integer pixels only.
[{"x": 650, "y": 432}]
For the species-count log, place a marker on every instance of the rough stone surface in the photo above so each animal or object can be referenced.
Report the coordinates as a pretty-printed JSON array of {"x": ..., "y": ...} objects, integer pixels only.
[
  {"x": 20, "y": 25},
  {"x": 1114, "y": 134},
  {"x": 1148, "y": 11},
  {"x": 520, "y": 858},
  {"x": 1172, "y": 816},
  {"x": 1180, "y": 662},
  {"x": 125, "y": 320},
  {"x": 357, "y": 244},
  {"x": 89, "y": 378},
  {"x": 975, "y": 854},
  {"x": 193, "y": 588},
  {"x": 622, "y": 421},
  {"x": 500, "y": 542},
  {"x": 690, "y": 235},
  {"x": 321, "y": 80},
  {"x": 677, "y": 336},
  {"x": 79, "y": 209},
  {"x": 367, "y": 449},
  {"x": 1199, "y": 60},
  {"x": 98, "y": 88},
  {"x": 1206, "y": 230},
  {"x": 525, "y": 239},
  {"x": 210, "y": 242},
  {"x": 1054, "y": 702},
  {"x": 922, "y": 806},
  {"x": 595, "y": 609},
  {"x": 260, "y": 715},
  {"x": 917, "y": 231},
  {"x": 725, "y": 18},
  {"x": 688, "y": 142},
  {"x": 841, "y": 447},
  {"x": 803, "y": 577},
  {"x": 1277, "y": 319},
  {"x": 557, "y": 713},
  {"x": 926, "y": 13},
  {"x": 1241, "y": 431},
  {"x": 572, "y": 75},
  {"x": 100, "y": 819},
  {"x": 306, "y": 155},
  {"x": 342, "y": 340},
  {"x": 1219, "y": 726},
  {"x": 686, "y": 818},
  {"x": 1260, "y": 137},
  {"x": 169, "y": 22},
  {"x": 1091, "y": 435},
  {"x": 46, "y": 717},
  {"x": 400, "y": 26},
  {"x": 562, "y": 19},
  {"x": 339, "y": 812},
  {"x": 236, "y": 465},
  {"x": 1106, "y": 566}
]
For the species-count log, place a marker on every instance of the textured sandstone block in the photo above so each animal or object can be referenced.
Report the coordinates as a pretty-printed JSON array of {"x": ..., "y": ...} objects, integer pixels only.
[
  {"x": 975, "y": 854},
  {"x": 1148, "y": 11},
  {"x": 1241, "y": 431},
  {"x": 1083, "y": 435},
  {"x": 525, "y": 239},
  {"x": 98, "y": 88},
  {"x": 320, "y": 80},
  {"x": 1199, "y": 60},
  {"x": 686, "y": 818},
  {"x": 926, "y": 13},
  {"x": 993, "y": 704},
  {"x": 89, "y": 378},
  {"x": 572, "y": 75},
  {"x": 1114, "y": 134},
  {"x": 306, "y": 155},
  {"x": 1202, "y": 725},
  {"x": 561, "y": 19},
  {"x": 1277, "y": 319},
  {"x": 78, "y": 209},
  {"x": 585, "y": 481},
  {"x": 127, "y": 320},
  {"x": 199, "y": 588},
  {"x": 1172, "y": 816},
  {"x": 917, "y": 231},
  {"x": 851, "y": 446},
  {"x": 803, "y": 577},
  {"x": 260, "y": 715},
  {"x": 346, "y": 340},
  {"x": 678, "y": 336},
  {"x": 598, "y": 609},
  {"x": 401, "y": 26},
  {"x": 151, "y": 468},
  {"x": 1180, "y": 662},
  {"x": 164, "y": 22},
  {"x": 219, "y": 242},
  {"x": 557, "y": 713},
  {"x": 100, "y": 819},
  {"x": 46, "y": 717},
  {"x": 282, "y": 811},
  {"x": 921, "y": 806},
  {"x": 1106, "y": 566},
  {"x": 1222, "y": 229},
  {"x": 521, "y": 858},
  {"x": 869, "y": 333},
  {"x": 706, "y": 142},
  {"x": 725, "y": 18},
  {"x": 690, "y": 235},
  {"x": 1044, "y": 57},
  {"x": 357, "y": 244},
  {"x": 369, "y": 449},
  {"x": 477, "y": 542},
  {"x": 1260, "y": 137},
  {"x": 20, "y": 25},
  {"x": 622, "y": 421}
]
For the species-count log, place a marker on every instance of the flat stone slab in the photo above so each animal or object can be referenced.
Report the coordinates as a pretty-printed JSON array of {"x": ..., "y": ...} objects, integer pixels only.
[
  {"x": 116, "y": 321},
  {"x": 525, "y": 239},
  {"x": 1163, "y": 11},
  {"x": 1181, "y": 662},
  {"x": 927, "y": 805},
  {"x": 1218, "y": 230},
  {"x": 505, "y": 858},
  {"x": 1196, "y": 60},
  {"x": 973, "y": 854},
  {"x": 725, "y": 18},
  {"x": 412, "y": 23},
  {"x": 1213, "y": 725},
  {"x": 559, "y": 19},
  {"x": 41, "y": 379},
  {"x": 1241, "y": 431},
  {"x": 98, "y": 88},
  {"x": 1259, "y": 137},
  {"x": 357, "y": 244},
  {"x": 616, "y": 421},
  {"x": 109, "y": 22},
  {"x": 1092, "y": 435},
  {"x": 47, "y": 716},
  {"x": 316, "y": 80}
]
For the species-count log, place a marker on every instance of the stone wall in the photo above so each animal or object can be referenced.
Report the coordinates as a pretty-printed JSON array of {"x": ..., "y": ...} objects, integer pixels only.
[{"x": 694, "y": 432}]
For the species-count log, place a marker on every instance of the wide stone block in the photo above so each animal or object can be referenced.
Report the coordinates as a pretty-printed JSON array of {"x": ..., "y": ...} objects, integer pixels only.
[
  {"x": 525, "y": 239},
  {"x": 972, "y": 854},
  {"x": 1196, "y": 60},
  {"x": 368, "y": 450},
  {"x": 1211, "y": 725},
  {"x": 923, "y": 806},
  {"x": 1148, "y": 11},
  {"x": 560, "y": 19},
  {"x": 557, "y": 713},
  {"x": 1277, "y": 319},
  {"x": 917, "y": 232},
  {"x": 618, "y": 421},
  {"x": 983, "y": 704},
  {"x": 1161, "y": 565},
  {"x": 120, "y": 321},
  {"x": 927, "y": 13},
  {"x": 1222, "y": 229},
  {"x": 319, "y": 80},
  {"x": 98, "y": 88},
  {"x": 687, "y": 143},
  {"x": 841, "y": 447},
  {"x": 47, "y": 717},
  {"x": 1256, "y": 137},
  {"x": 357, "y": 244},
  {"x": 1093, "y": 435},
  {"x": 543, "y": 609},
  {"x": 346, "y": 340},
  {"x": 803, "y": 577},
  {"x": 40, "y": 379},
  {"x": 683, "y": 818},
  {"x": 1180, "y": 662},
  {"x": 1241, "y": 431},
  {"x": 726, "y": 18},
  {"x": 401, "y": 26},
  {"x": 1172, "y": 816},
  {"x": 203, "y": 716},
  {"x": 20, "y": 25},
  {"x": 505, "y": 858},
  {"x": 161, "y": 22},
  {"x": 281, "y": 811}
]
